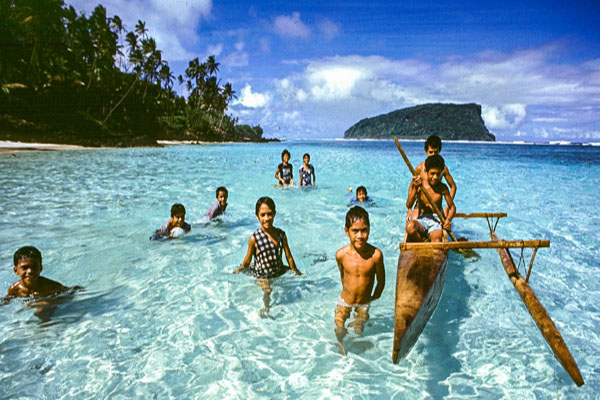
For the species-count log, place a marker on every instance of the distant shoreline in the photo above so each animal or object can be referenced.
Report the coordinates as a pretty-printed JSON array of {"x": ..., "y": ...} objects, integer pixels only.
[{"x": 7, "y": 146}]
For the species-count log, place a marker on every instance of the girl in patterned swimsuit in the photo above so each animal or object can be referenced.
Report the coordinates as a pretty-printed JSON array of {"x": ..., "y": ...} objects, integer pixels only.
[{"x": 267, "y": 245}]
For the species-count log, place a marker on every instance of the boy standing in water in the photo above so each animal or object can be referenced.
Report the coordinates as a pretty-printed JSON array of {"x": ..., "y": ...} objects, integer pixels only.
[
  {"x": 285, "y": 172},
  {"x": 359, "y": 264},
  {"x": 220, "y": 205},
  {"x": 424, "y": 223},
  {"x": 433, "y": 146},
  {"x": 307, "y": 172}
]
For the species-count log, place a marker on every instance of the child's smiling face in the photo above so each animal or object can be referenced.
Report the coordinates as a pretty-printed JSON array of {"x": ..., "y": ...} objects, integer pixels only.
[{"x": 28, "y": 269}]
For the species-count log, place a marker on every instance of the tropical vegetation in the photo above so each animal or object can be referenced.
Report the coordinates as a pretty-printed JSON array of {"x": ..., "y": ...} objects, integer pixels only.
[{"x": 70, "y": 78}]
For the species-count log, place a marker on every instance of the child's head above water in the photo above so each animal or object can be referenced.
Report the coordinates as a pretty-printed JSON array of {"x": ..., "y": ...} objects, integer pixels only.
[
  {"x": 285, "y": 153},
  {"x": 177, "y": 209},
  {"x": 433, "y": 145},
  {"x": 306, "y": 158},
  {"x": 222, "y": 194},
  {"x": 361, "y": 193},
  {"x": 27, "y": 252},
  {"x": 356, "y": 213},
  {"x": 264, "y": 200},
  {"x": 28, "y": 265}
]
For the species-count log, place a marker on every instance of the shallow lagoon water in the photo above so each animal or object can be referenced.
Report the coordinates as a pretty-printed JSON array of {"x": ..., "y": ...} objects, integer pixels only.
[{"x": 167, "y": 319}]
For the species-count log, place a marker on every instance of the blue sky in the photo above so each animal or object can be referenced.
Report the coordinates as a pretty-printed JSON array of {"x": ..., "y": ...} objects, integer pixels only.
[{"x": 311, "y": 69}]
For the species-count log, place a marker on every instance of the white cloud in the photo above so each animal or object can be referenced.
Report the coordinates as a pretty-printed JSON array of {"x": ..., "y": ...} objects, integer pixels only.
[
  {"x": 507, "y": 116},
  {"x": 291, "y": 26},
  {"x": 329, "y": 29},
  {"x": 238, "y": 58},
  {"x": 172, "y": 23},
  {"x": 264, "y": 45},
  {"x": 249, "y": 99},
  {"x": 215, "y": 50}
]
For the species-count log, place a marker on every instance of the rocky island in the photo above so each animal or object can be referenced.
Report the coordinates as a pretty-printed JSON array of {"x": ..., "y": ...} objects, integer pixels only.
[{"x": 448, "y": 121}]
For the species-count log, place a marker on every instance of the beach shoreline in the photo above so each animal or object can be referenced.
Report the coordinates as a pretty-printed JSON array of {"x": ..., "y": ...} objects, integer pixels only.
[{"x": 7, "y": 146}]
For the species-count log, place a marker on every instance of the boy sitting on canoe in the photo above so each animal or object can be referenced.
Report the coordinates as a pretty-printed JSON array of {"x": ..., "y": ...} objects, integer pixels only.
[
  {"x": 423, "y": 223},
  {"x": 359, "y": 264},
  {"x": 433, "y": 146}
]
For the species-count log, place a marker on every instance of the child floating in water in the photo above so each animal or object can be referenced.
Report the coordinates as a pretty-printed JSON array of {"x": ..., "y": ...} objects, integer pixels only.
[
  {"x": 28, "y": 266},
  {"x": 285, "y": 171},
  {"x": 307, "y": 172},
  {"x": 175, "y": 224},
  {"x": 359, "y": 264},
  {"x": 220, "y": 205},
  {"x": 266, "y": 245},
  {"x": 361, "y": 196}
]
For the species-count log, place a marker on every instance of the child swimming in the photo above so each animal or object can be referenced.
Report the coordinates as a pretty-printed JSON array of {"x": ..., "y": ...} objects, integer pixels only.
[
  {"x": 220, "y": 205},
  {"x": 360, "y": 264},
  {"x": 177, "y": 220},
  {"x": 266, "y": 245}
]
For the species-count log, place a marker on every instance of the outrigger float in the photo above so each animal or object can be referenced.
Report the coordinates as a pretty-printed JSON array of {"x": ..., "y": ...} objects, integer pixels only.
[{"x": 421, "y": 276}]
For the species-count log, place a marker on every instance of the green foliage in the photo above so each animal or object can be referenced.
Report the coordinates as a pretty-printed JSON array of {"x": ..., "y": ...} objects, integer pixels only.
[
  {"x": 84, "y": 79},
  {"x": 448, "y": 121}
]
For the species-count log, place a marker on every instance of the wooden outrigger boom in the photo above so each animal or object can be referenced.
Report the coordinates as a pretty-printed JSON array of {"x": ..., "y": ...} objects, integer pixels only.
[
  {"x": 504, "y": 244},
  {"x": 540, "y": 315}
]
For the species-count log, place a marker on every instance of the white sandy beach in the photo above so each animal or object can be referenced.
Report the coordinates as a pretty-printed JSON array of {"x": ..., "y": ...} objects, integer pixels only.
[{"x": 10, "y": 147}]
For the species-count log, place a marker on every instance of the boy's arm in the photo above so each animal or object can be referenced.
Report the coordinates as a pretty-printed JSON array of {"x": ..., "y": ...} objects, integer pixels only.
[
  {"x": 290, "y": 258},
  {"x": 277, "y": 175},
  {"x": 312, "y": 170},
  {"x": 380, "y": 275},
  {"x": 338, "y": 258},
  {"x": 451, "y": 210},
  {"x": 413, "y": 191},
  {"x": 451, "y": 182},
  {"x": 291, "y": 174},
  {"x": 248, "y": 257}
]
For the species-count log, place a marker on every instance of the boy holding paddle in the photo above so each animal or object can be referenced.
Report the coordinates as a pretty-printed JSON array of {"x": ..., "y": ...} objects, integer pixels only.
[
  {"x": 424, "y": 223},
  {"x": 433, "y": 146}
]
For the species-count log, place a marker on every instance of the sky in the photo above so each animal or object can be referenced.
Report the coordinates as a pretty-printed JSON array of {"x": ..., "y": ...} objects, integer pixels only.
[{"x": 312, "y": 69}]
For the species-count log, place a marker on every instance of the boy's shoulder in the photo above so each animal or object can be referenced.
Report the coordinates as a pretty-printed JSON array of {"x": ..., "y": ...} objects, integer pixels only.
[
  {"x": 45, "y": 287},
  {"x": 342, "y": 251},
  {"x": 441, "y": 188}
]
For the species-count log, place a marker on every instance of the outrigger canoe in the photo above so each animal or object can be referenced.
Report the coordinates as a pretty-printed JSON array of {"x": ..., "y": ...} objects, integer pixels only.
[
  {"x": 422, "y": 273},
  {"x": 419, "y": 284}
]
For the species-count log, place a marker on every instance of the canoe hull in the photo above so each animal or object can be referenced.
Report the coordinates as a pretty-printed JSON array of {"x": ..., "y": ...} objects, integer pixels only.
[{"x": 419, "y": 284}]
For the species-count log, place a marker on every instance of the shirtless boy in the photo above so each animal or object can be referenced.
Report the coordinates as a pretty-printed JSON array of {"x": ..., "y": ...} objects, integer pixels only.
[
  {"x": 433, "y": 146},
  {"x": 424, "y": 223},
  {"x": 28, "y": 266},
  {"x": 360, "y": 264}
]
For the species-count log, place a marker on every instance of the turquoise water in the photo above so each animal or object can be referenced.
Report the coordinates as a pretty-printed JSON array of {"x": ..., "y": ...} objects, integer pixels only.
[{"x": 167, "y": 319}]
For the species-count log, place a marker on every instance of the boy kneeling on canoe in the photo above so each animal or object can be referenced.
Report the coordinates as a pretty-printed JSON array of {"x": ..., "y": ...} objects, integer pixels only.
[
  {"x": 423, "y": 223},
  {"x": 359, "y": 264}
]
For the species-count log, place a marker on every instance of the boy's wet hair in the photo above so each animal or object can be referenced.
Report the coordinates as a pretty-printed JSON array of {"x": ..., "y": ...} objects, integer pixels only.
[
  {"x": 27, "y": 252},
  {"x": 356, "y": 213},
  {"x": 435, "y": 161},
  {"x": 284, "y": 152},
  {"x": 361, "y": 189},
  {"x": 177, "y": 209},
  {"x": 434, "y": 142},
  {"x": 221, "y": 189},
  {"x": 306, "y": 155},
  {"x": 264, "y": 200}
]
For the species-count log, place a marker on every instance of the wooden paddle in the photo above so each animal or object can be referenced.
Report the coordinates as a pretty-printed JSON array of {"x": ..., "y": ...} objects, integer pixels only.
[{"x": 428, "y": 196}]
